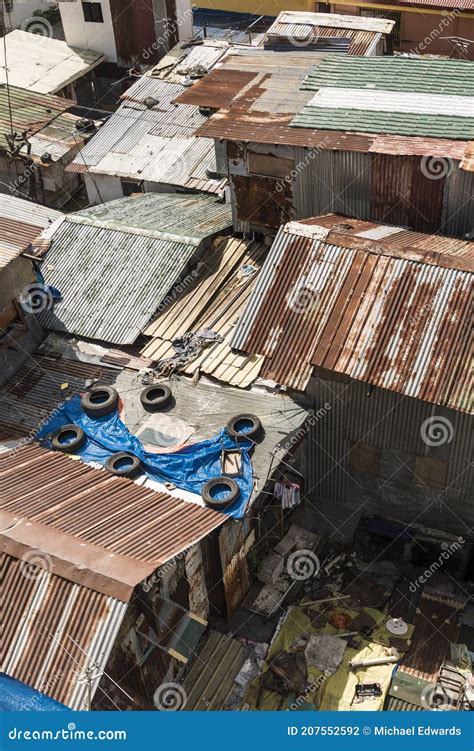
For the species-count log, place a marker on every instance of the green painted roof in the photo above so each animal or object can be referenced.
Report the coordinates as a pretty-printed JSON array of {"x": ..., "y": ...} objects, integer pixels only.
[
  {"x": 453, "y": 77},
  {"x": 34, "y": 113},
  {"x": 425, "y": 77},
  {"x": 399, "y": 123}
]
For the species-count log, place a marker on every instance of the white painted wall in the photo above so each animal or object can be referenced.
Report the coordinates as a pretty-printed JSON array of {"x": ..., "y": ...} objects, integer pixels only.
[
  {"x": 109, "y": 187},
  {"x": 184, "y": 16},
  {"x": 98, "y": 37},
  {"x": 23, "y": 10}
]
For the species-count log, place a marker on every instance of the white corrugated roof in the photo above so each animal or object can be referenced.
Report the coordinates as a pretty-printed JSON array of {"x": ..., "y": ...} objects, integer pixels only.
[
  {"x": 336, "y": 21},
  {"x": 39, "y": 63},
  {"x": 393, "y": 101}
]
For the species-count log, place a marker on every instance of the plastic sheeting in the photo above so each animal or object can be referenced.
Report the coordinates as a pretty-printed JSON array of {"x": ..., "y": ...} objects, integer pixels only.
[
  {"x": 16, "y": 696},
  {"x": 189, "y": 469}
]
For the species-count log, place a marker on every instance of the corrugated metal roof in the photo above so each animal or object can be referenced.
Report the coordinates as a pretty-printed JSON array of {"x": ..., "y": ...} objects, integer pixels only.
[
  {"x": 396, "y": 318},
  {"x": 362, "y": 33},
  {"x": 429, "y": 76},
  {"x": 115, "y": 263},
  {"x": 54, "y": 630},
  {"x": 214, "y": 299},
  {"x": 42, "y": 64},
  {"x": 210, "y": 680},
  {"x": 436, "y": 627},
  {"x": 44, "y": 118},
  {"x": 371, "y": 121},
  {"x": 20, "y": 224},
  {"x": 306, "y": 21},
  {"x": 183, "y": 61},
  {"x": 61, "y": 499},
  {"x": 155, "y": 142},
  {"x": 256, "y": 93}
]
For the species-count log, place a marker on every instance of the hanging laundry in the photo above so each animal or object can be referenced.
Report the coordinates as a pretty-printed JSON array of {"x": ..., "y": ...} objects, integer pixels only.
[{"x": 288, "y": 492}]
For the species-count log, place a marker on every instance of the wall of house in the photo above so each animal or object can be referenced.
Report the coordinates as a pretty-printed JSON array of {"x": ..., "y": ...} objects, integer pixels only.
[
  {"x": 367, "y": 455},
  {"x": 98, "y": 37},
  {"x": 110, "y": 187},
  {"x": 422, "y": 29},
  {"x": 23, "y": 10},
  {"x": 271, "y": 185}
]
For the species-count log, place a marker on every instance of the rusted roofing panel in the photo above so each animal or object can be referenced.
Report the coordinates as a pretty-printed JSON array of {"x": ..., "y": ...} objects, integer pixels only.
[
  {"x": 54, "y": 630},
  {"x": 68, "y": 496},
  {"x": 20, "y": 224},
  {"x": 458, "y": 4},
  {"x": 298, "y": 29},
  {"x": 436, "y": 627},
  {"x": 395, "y": 318}
]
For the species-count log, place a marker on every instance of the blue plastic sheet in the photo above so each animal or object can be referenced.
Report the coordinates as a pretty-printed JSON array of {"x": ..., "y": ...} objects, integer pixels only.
[
  {"x": 189, "y": 469},
  {"x": 16, "y": 696}
]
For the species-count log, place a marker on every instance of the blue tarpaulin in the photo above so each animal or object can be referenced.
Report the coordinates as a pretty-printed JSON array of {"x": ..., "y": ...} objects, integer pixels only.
[
  {"x": 189, "y": 468},
  {"x": 16, "y": 696}
]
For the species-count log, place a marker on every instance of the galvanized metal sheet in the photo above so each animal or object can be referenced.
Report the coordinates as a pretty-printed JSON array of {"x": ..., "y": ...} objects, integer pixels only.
[{"x": 357, "y": 312}]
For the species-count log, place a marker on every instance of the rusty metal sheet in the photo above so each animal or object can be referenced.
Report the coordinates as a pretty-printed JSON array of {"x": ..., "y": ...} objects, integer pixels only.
[
  {"x": 403, "y": 194},
  {"x": 436, "y": 627},
  {"x": 259, "y": 203},
  {"x": 357, "y": 311},
  {"x": 137, "y": 522},
  {"x": 134, "y": 31},
  {"x": 53, "y": 630}
]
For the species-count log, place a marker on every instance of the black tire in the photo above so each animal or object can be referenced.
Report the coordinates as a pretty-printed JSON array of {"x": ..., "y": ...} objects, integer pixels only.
[
  {"x": 123, "y": 464},
  {"x": 156, "y": 396},
  {"x": 220, "y": 503},
  {"x": 68, "y": 438},
  {"x": 100, "y": 401},
  {"x": 253, "y": 429}
]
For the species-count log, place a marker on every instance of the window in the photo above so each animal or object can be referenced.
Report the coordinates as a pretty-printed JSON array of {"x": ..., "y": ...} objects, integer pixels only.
[
  {"x": 271, "y": 166},
  {"x": 92, "y": 12},
  {"x": 131, "y": 186}
]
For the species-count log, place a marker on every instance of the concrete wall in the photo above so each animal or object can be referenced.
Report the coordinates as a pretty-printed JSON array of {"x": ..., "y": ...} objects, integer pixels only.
[
  {"x": 110, "y": 187},
  {"x": 22, "y": 12},
  {"x": 98, "y": 37}
]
